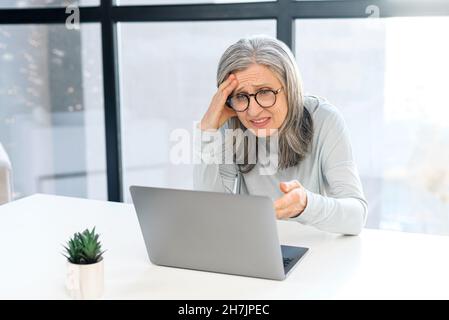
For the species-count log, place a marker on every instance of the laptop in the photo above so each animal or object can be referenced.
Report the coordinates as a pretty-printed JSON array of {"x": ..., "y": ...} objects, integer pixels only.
[{"x": 215, "y": 232}]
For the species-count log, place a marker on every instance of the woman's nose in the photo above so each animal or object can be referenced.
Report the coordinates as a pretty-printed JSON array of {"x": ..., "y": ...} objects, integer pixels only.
[{"x": 253, "y": 109}]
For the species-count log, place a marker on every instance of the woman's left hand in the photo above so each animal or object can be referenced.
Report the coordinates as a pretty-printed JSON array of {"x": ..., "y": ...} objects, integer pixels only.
[{"x": 293, "y": 202}]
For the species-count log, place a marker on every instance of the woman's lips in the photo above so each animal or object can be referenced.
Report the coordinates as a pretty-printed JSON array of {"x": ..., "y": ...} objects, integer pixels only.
[{"x": 260, "y": 123}]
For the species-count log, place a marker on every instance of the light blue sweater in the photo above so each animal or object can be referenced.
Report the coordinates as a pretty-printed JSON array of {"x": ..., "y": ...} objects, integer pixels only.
[{"x": 335, "y": 199}]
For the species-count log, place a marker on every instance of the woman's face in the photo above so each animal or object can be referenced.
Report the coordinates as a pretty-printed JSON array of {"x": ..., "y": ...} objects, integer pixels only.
[{"x": 257, "y": 119}]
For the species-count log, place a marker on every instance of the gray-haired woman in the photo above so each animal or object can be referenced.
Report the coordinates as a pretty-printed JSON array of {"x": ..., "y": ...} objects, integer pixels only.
[{"x": 259, "y": 91}]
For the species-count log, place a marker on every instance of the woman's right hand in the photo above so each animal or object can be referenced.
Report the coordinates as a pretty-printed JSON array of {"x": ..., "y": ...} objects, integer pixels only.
[{"x": 218, "y": 113}]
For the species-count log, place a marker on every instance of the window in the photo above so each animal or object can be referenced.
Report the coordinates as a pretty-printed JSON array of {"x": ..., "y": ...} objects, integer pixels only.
[
  {"x": 389, "y": 79},
  {"x": 51, "y": 114}
]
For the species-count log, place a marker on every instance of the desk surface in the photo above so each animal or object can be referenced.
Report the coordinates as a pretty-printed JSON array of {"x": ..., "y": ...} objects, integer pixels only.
[{"x": 376, "y": 264}]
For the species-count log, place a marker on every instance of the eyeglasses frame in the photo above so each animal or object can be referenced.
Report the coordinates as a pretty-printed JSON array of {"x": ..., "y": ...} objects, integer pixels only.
[{"x": 249, "y": 95}]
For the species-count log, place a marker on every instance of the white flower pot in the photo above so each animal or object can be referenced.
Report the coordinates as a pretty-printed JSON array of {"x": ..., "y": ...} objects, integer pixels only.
[{"x": 85, "y": 281}]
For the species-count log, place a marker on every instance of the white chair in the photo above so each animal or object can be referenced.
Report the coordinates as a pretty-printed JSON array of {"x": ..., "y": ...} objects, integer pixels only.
[{"x": 5, "y": 177}]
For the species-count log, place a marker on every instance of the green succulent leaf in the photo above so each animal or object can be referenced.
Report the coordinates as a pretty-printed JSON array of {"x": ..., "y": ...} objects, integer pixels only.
[{"x": 84, "y": 248}]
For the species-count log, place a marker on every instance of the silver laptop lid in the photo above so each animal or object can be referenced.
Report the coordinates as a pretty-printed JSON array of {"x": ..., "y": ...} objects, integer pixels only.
[{"x": 210, "y": 231}]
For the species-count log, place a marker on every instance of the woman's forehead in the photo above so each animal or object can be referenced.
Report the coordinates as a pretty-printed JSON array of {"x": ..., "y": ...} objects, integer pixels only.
[{"x": 256, "y": 75}]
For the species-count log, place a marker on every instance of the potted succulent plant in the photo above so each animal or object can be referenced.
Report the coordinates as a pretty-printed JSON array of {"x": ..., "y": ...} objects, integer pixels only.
[{"x": 85, "y": 270}]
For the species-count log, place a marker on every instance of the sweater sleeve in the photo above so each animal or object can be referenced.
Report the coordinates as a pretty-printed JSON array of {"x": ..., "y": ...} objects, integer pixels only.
[
  {"x": 213, "y": 171},
  {"x": 344, "y": 208}
]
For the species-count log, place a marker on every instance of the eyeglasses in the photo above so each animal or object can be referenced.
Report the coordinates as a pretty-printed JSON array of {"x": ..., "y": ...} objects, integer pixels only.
[{"x": 265, "y": 98}]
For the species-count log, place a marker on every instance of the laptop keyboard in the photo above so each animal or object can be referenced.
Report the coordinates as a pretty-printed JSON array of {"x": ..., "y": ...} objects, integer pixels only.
[{"x": 287, "y": 261}]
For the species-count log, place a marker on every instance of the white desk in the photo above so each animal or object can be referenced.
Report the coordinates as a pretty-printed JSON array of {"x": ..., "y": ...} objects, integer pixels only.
[{"x": 376, "y": 264}]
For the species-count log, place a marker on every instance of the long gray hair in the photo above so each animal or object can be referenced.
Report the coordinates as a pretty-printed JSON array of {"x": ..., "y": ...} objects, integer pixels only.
[{"x": 296, "y": 132}]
